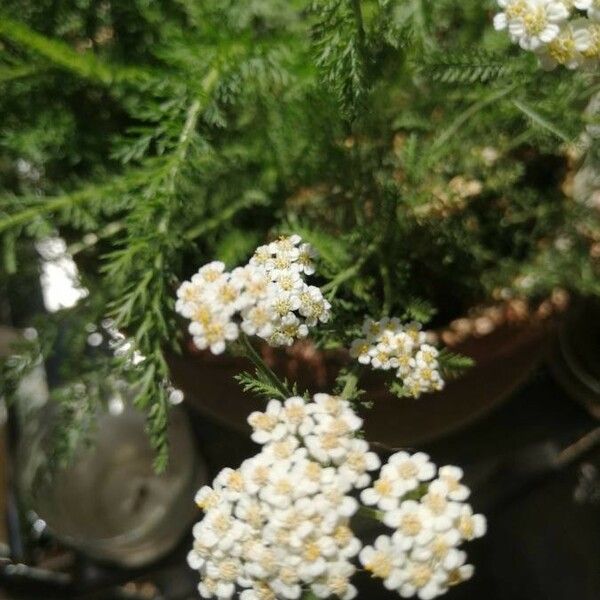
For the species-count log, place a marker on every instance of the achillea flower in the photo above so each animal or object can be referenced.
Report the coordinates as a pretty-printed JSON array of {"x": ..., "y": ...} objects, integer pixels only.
[
  {"x": 268, "y": 298},
  {"x": 390, "y": 345},
  {"x": 280, "y": 524}
]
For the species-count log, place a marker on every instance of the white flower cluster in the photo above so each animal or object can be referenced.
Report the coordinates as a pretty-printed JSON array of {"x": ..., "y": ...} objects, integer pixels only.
[
  {"x": 268, "y": 297},
  {"x": 279, "y": 524},
  {"x": 422, "y": 556},
  {"x": 556, "y": 30},
  {"x": 390, "y": 345}
]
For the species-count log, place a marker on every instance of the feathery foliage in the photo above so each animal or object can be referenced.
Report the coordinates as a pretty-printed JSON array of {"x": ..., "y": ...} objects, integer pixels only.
[{"x": 427, "y": 161}]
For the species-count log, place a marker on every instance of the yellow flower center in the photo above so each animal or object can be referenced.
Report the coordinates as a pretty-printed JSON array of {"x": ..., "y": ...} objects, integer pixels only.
[
  {"x": 380, "y": 565},
  {"x": 202, "y": 315},
  {"x": 228, "y": 570},
  {"x": 516, "y": 9},
  {"x": 562, "y": 49},
  {"x": 383, "y": 487},
  {"x": 311, "y": 552},
  {"x": 295, "y": 413},
  {"x": 420, "y": 575},
  {"x": 411, "y": 524},
  {"x": 263, "y": 421},
  {"x": 535, "y": 21},
  {"x": 227, "y": 293},
  {"x": 466, "y": 527},
  {"x": 342, "y": 535},
  {"x": 235, "y": 481},
  {"x": 313, "y": 471},
  {"x": 594, "y": 49},
  {"x": 407, "y": 470},
  {"x": 214, "y": 332}
]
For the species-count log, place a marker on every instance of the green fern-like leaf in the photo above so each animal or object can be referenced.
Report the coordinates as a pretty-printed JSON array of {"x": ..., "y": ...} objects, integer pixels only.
[
  {"x": 465, "y": 66},
  {"x": 453, "y": 364}
]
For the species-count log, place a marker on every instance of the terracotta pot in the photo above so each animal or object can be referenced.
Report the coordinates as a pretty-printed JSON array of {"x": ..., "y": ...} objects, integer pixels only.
[{"x": 505, "y": 356}]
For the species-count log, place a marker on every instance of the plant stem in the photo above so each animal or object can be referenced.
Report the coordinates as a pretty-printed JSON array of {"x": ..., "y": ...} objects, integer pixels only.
[
  {"x": 449, "y": 132},
  {"x": 370, "y": 513},
  {"x": 360, "y": 26},
  {"x": 260, "y": 364}
]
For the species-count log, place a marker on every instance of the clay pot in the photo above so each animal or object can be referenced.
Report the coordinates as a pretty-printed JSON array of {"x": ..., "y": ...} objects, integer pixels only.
[{"x": 505, "y": 353}]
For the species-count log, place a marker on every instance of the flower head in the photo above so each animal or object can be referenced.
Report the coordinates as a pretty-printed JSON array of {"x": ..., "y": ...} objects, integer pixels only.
[
  {"x": 268, "y": 298},
  {"x": 390, "y": 345}
]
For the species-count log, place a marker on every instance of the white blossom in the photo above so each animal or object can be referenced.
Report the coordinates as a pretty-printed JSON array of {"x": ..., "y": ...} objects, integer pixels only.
[
  {"x": 384, "y": 560},
  {"x": 390, "y": 345},
  {"x": 280, "y": 524},
  {"x": 268, "y": 297},
  {"x": 422, "y": 557},
  {"x": 560, "y": 32}
]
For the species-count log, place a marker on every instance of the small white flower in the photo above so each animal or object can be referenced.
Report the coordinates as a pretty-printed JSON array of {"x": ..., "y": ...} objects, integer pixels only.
[
  {"x": 470, "y": 526},
  {"x": 208, "y": 498},
  {"x": 385, "y": 493},
  {"x": 306, "y": 258},
  {"x": 442, "y": 549},
  {"x": 443, "y": 511},
  {"x": 564, "y": 49},
  {"x": 207, "y": 588},
  {"x": 359, "y": 349},
  {"x": 258, "y": 320},
  {"x": 358, "y": 462},
  {"x": 384, "y": 560},
  {"x": 261, "y": 590},
  {"x": 209, "y": 273},
  {"x": 297, "y": 416},
  {"x": 413, "y": 523},
  {"x": 452, "y": 477},
  {"x": 215, "y": 335},
  {"x": 267, "y": 425},
  {"x": 224, "y": 574},
  {"x": 282, "y": 486},
  {"x": 411, "y": 470},
  {"x": 336, "y": 582},
  {"x": 513, "y": 10},
  {"x": 422, "y": 580},
  {"x": 539, "y": 24},
  {"x": 327, "y": 447},
  {"x": 279, "y": 450}
]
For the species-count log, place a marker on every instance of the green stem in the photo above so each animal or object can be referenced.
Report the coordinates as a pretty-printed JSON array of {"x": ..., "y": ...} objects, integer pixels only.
[
  {"x": 360, "y": 26},
  {"x": 260, "y": 364},
  {"x": 448, "y": 133},
  {"x": 370, "y": 513}
]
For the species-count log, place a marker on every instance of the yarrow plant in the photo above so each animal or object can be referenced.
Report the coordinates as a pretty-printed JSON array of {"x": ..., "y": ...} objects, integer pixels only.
[
  {"x": 268, "y": 297},
  {"x": 280, "y": 524},
  {"x": 389, "y": 345},
  {"x": 429, "y": 515},
  {"x": 560, "y": 32}
]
